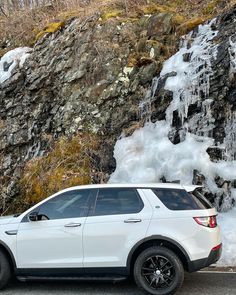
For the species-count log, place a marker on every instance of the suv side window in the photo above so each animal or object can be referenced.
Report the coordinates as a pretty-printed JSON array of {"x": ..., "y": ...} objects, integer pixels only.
[
  {"x": 178, "y": 199},
  {"x": 71, "y": 204},
  {"x": 113, "y": 201}
]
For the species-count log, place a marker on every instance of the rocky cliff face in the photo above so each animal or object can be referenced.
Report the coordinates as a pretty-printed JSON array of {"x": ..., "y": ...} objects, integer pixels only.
[
  {"x": 89, "y": 76},
  {"x": 193, "y": 139},
  {"x": 92, "y": 75}
]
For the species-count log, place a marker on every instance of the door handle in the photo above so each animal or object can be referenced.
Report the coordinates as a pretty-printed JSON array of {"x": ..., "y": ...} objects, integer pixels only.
[
  {"x": 132, "y": 220},
  {"x": 73, "y": 224}
]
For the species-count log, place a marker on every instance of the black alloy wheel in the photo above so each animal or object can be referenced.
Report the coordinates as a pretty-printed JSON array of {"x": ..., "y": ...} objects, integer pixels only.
[{"x": 158, "y": 271}]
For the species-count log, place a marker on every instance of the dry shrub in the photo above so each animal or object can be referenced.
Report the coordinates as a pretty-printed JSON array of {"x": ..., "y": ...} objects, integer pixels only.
[
  {"x": 69, "y": 163},
  {"x": 19, "y": 27}
]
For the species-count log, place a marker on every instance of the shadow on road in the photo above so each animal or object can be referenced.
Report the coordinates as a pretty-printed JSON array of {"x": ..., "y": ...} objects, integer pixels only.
[{"x": 203, "y": 283}]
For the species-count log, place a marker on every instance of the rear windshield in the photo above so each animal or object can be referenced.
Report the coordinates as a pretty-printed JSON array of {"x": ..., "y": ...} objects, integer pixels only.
[
  {"x": 201, "y": 198},
  {"x": 177, "y": 199}
]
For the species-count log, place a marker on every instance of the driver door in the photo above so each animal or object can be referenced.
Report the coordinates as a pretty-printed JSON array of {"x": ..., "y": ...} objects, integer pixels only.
[{"x": 55, "y": 240}]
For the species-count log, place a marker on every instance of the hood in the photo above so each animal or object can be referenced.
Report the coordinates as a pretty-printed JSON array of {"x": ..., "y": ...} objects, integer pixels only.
[{"x": 6, "y": 219}]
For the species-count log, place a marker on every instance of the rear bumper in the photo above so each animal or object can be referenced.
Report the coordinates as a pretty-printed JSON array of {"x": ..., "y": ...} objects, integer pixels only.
[{"x": 201, "y": 263}]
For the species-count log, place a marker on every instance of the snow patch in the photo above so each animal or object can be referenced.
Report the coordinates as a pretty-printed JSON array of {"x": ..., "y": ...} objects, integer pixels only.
[
  {"x": 11, "y": 59},
  {"x": 227, "y": 223}
]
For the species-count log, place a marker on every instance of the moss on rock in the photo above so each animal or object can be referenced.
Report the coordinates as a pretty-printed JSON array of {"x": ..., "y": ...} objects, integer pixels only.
[
  {"x": 155, "y": 8},
  {"x": 50, "y": 28},
  {"x": 190, "y": 25},
  {"x": 178, "y": 19},
  {"x": 108, "y": 14}
]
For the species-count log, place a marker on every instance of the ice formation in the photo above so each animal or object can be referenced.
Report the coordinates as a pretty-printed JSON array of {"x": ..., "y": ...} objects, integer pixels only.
[
  {"x": 230, "y": 138},
  {"x": 149, "y": 154},
  {"x": 145, "y": 106},
  {"x": 232, "y": 53},
  {"x": 191, "y": 83},
  {"x": 11, "y": 59}
]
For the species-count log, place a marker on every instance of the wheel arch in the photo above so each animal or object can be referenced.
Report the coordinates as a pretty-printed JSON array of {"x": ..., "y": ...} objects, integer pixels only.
[
  {"x": 157, "y": 241},
  {"x": 7, "y": 251}
]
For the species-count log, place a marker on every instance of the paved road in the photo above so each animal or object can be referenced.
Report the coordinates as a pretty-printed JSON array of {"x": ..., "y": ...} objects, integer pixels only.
[{"x": 195, "y": 284}]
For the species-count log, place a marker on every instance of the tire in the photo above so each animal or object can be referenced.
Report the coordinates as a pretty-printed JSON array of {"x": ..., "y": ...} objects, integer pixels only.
[
  {"x": 158, "y": 271},
  {"x": 5, "y": 270}
]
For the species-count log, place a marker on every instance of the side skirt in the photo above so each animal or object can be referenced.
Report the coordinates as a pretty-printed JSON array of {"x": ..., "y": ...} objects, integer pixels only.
[
  {"x": 73, "y": 274},
  {"x": 82, "y": 278}
]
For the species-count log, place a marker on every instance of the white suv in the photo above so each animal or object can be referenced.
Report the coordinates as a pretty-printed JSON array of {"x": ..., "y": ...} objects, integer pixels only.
[{"x": 151, "y": 232}]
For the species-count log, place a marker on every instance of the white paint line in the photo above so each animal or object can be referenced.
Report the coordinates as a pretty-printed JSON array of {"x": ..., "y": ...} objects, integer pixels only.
[{"x": 217, "y": 272}]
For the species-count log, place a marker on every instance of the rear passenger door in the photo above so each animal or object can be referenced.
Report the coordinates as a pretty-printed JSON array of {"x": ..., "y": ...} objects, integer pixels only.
[{"x": 118, "y": 220}]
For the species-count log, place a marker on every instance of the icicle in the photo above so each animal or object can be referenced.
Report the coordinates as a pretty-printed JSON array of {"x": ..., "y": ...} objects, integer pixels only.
[
  {"x": 232, "y": 54},
  {"x": 230, "y": 138},
  {"x": 145, "y": 106},
  {"x": 192, "y": 82}
]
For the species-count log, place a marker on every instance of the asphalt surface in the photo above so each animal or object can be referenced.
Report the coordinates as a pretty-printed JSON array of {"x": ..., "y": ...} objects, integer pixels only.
[{"x": 194, "y": 284}]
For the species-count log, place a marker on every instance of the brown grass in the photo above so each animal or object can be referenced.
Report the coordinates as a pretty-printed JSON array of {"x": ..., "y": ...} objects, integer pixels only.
[
  {"x": 69, "y": 163},
  {"x": 20, "y": 27}
]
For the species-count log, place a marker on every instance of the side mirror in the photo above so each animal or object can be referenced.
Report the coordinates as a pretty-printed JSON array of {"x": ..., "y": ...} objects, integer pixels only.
[{"x": 33, "y": 216}]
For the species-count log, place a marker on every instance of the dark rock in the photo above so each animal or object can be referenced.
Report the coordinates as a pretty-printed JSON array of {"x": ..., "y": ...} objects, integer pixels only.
[
  {"x": 198, "y": 178},
  {"x": 194, "y": 109},
  {"x": 215, "y": 153},
  {"x": 6, "y": 66},
  {"x": 187, "y": 57},
  {"x": 160, "y": 24}
]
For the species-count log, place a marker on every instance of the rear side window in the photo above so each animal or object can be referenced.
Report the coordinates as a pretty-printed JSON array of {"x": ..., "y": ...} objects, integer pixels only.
[
  {"x": 112, "y": 201},
  {"x": 177, "y": 199}
]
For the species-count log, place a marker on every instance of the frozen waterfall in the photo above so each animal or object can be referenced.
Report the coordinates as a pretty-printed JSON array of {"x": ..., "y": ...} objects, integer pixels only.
[{"x": 151, "y": 155}]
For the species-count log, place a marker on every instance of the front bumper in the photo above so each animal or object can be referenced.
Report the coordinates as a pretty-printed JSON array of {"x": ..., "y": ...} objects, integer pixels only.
[{"x": 213, "y": 257}]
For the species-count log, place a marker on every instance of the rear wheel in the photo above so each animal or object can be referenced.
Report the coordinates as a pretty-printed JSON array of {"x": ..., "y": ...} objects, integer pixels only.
[
  {"x": 5, "y": 270},
  {"x": 158, "y": 271}
]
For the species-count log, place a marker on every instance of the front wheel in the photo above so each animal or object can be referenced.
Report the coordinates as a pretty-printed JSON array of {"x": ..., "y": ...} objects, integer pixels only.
[
  {"x": 158, "y": 271},
  {"x": 5, "y": 270}
]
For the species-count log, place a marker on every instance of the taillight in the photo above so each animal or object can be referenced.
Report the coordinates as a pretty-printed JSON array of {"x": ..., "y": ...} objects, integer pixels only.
[
  {"x": 216, "y": 248},
  {"x": 209, "y": 221}
]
